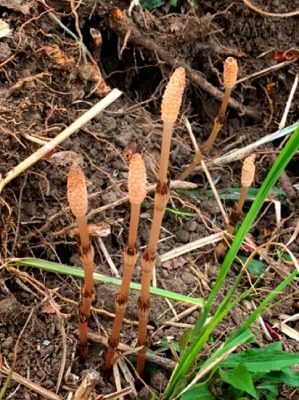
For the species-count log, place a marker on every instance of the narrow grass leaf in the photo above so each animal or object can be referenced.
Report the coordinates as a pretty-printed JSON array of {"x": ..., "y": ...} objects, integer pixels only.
[
  {"x": 189, "y": 357},
  {"x": 63, "y": 269}
]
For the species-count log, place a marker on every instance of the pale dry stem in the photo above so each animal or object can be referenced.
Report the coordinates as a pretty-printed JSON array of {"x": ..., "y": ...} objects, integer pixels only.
[{"x": 50, "y": 146}]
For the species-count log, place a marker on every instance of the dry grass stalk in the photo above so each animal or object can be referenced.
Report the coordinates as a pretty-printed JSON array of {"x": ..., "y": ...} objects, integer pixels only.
[
  {"x": 77, "y": 198},
  {"x": 230, "y": 72},
  {"x": 86, "y": 388},
  {"x": 137, "y": 193},
  {"x": 170, "y": 109},
  {"x": 247, "y": 177},
  {"x": 50, "y": 146}
]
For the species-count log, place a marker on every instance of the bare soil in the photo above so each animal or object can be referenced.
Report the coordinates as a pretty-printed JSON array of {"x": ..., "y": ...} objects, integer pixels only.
[{"x": 46, "y": 84}]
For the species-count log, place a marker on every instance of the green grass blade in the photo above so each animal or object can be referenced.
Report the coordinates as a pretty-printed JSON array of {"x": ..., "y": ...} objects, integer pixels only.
[
  {"x": 63, "y": 269},
  {"x": 196, "y": 345}
]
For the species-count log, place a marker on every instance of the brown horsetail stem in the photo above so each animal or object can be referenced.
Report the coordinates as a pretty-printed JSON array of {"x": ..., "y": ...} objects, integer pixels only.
[
  {"x": 77, "y": 198},
  {"x": 230, "y": 73},
  {"x": 247, "y": 177},
  {"x": 170, "y": 108},
  {"x": 137, "y": 193}
]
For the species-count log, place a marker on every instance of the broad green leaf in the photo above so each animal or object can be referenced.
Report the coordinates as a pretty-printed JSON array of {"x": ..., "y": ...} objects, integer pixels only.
[
  {"x": 270, "y": 387},
  {"x": 269, "y": 358},
  {"x": 198, "y": 392},
  {"x": 269, "y": 392},
  {"x": 165, "y": 344},
  {"x": 287, "y": 376},
  {"x": 150, "y": 4},
  {"x": 255, "y": 267},
  {"x": 239, "y": 378}
]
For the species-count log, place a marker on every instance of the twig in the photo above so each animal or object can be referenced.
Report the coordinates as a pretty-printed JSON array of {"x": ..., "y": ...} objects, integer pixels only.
[
  {"x": 123, "y": 25},
  {"x": 108, "y": 258},
  {"x": 63, "y": 356},
  {"x": 50, "y": 146},
  {"x": 237, "y": 154},
  {"x": 186, "y": 248},
  {"x": 77, "y": 25},
  {"x": 127, "y": 374},
  {"x": 84, "y": 391},
  {"x": 265, "y": 71},
  {"x": 14, "y": 360},
  {"x": 270, "y": 14},
  {"x": 206, "y": 171},
  {"x": 165, "y": 363},
  {"x": 288, "y": 105},
  {"x": 31, "y": 385}
]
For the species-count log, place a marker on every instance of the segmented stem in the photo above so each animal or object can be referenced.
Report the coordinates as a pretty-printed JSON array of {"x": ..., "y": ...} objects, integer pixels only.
[
  {"x": 78, "y": 202},
  {"x": 137, "y": 193},
  {"x": 170, "y": 107}
]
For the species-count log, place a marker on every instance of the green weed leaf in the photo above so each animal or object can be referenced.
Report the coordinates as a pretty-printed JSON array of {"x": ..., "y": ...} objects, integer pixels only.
[
  {"x": 198, "y": 392},
  {"x": 287, "y": 376},
  {"x": 239, "y": 378},
  {"x": 267, "y": 359}
]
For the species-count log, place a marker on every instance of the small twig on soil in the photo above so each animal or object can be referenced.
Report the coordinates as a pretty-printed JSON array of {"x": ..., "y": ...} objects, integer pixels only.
[
  {"x": 90, "y": 380},
  {"x": 31, "y": 385},
  {"x": 270, "y": 14},
  {"x": 36, "y": 284},
  {"x": 294, "y": 235},
  {"x": 238, "y": 154},
  {"x": 161, "y": 361},
  {"x": 17, "y": 86},
  {"x": 124, "y": 367},
  {"x": 125, "y": 24},
  {"x": 64, "y": 351},
  {"x": 265, "y": 71},
  {"x": 117, "y": 378},
  {"x": 77, "y": 25},
  {"x": 186, "y": 248},
  {"x": 282, "y": 123},
  {"x": 173, "y": 321},
  {"x": 14, "y": 360},
  {"x": 50, "y": 146},
  {"x": 10, "y": 58},
  {"x": 284, "y": 179},
  {"x": 108, "y": 258},
  {"x": 221, "y": 208},
  {"x": 179, "y": 185}
]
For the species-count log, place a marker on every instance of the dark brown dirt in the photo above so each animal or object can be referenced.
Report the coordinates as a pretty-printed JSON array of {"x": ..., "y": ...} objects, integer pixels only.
[{"x": 44, "y": 89}]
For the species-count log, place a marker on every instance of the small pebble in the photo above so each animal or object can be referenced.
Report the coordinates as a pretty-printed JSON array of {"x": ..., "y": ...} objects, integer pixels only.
[
  {"x": 188, "y": 278},
  {"x": 8, "y": 343},
  {"x": 192, "y": 226},
  {"x": 183, "y": 236},
  {"x": 158, "y": 380}
]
